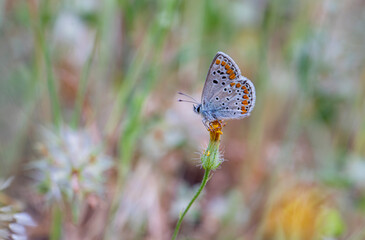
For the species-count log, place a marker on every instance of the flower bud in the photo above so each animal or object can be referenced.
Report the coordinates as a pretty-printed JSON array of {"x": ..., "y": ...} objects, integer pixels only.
[{"x": 211, "y": 157}]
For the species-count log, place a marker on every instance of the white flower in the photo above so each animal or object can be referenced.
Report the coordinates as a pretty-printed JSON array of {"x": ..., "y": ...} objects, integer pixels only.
[{"x": 72, "y": 164}]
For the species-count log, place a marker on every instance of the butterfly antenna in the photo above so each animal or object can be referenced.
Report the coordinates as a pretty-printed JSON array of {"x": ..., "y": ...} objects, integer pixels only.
[
  {"x": 195, "y": 101},
  {"x": 182, "y": 100}
]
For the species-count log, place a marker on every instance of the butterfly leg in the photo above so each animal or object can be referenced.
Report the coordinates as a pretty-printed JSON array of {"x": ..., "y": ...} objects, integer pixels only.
[
  {"x": 207, "y": 126},
  {"x": 221, "y": 124}
]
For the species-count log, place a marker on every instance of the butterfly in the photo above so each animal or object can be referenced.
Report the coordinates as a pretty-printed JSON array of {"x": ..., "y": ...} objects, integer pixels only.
[{"x": 226, "y": 93}]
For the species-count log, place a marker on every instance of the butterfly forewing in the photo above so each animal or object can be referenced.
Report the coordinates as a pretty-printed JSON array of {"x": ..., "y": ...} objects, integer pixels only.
[
  {"x": 227, "y": 94},
  {"x": 221, "y": 71}
]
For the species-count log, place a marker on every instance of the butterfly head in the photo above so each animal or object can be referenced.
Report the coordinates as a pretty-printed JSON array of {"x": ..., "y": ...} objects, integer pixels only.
[{"x": 197, "y": 108}]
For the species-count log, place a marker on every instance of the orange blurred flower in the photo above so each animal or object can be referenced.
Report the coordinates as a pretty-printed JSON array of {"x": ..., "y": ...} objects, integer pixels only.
[{"x": 300, "y": 212}]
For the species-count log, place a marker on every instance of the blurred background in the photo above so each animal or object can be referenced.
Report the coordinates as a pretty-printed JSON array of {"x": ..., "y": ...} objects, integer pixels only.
[{"x": 94, "y": 145}]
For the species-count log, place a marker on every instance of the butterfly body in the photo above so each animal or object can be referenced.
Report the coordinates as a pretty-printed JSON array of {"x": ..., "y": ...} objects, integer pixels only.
[{"x": 226, "y": 94}]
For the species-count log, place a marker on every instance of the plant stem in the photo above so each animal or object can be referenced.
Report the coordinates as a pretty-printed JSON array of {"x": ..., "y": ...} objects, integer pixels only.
[
  {"x": 81, "y": 92},
  {"x": 56, "y": 224},
  {"x": 204, "y": 182}
]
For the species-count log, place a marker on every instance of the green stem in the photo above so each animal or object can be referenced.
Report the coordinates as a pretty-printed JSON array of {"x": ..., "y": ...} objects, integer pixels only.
[
  {"x": 204, "y": 182},
  {"x": 56, "y": 109},
  {"x": 81, "y": 92},
  {"x": 56, "y": 224}
]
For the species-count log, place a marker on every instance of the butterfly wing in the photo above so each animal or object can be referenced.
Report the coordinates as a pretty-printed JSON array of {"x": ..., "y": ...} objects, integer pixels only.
[
  {"x": 227, "y": 94},
  {"x": 235, "y": 102},
  {"x": 222, "y": 69}
]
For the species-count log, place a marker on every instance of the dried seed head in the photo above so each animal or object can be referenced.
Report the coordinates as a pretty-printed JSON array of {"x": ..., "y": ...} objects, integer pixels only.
[
  {"x": 71, "y": 164},
  {"x": 13, "y": 221}
]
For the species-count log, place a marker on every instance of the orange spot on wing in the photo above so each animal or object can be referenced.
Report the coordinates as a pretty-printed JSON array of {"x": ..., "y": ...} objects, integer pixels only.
[
  {"x": 227, "y": 67},
  {"x": 232, "y": 76},
  {"x": 245, "y": 91},
  {"x": 243, "y": 87},
  {"x": 223, "y": 63},
  {"x": 245, "y": 97},
  {"x": 232, "y": 84},
  {"x": 244, "y": 102},
  {"x": 217, "y": 61},
  {"x": 243, "y": 110},
  {"x": 238, "y": 85},
  {"x": 229, "y": 71}
]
